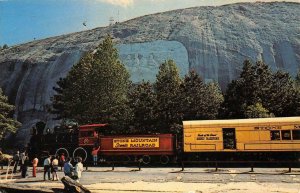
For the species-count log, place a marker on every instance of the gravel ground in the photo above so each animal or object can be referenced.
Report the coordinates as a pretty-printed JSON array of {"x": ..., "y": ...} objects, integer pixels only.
[{"x": 191, "y": 180}]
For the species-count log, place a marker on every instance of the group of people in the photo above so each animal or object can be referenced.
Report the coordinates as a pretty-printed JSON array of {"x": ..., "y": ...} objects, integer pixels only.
[
  {"x": 21, "y": 159},
  {"x": 51, "y": 165}
]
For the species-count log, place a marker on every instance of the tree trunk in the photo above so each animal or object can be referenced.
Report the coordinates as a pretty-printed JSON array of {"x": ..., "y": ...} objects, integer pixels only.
[{"x": 72, "y": 186}]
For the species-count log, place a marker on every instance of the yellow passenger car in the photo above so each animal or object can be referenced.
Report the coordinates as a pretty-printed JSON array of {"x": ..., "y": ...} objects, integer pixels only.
[{"x": 242, "y": 135}]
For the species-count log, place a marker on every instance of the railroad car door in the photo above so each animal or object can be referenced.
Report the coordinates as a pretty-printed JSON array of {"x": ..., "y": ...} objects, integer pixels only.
[{"x": 229, "y": 141}]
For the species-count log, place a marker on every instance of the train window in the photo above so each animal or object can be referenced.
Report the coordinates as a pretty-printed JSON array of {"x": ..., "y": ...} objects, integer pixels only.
[
  {"x": 286, "y": 135},
  {"x": 87, "y": 134},
  {"x": 275, "y": 135},
  {"x": 296, "y": 134}
]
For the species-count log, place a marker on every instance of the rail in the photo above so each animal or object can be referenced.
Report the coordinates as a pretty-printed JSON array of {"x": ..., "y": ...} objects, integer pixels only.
[
  {"x": 251, "y": 164},
  {"x": 113, "y": 164},
  {"x": 213, "y": 164}
]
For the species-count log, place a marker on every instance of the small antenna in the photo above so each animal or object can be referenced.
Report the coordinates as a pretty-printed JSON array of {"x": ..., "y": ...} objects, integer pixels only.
[{"x": 118, "y": 16}]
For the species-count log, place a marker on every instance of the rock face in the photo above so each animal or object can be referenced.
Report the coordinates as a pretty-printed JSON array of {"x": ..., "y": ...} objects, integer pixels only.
[
  {"x": 214, "y": 41},
  {"x": 143, "y": 59}
]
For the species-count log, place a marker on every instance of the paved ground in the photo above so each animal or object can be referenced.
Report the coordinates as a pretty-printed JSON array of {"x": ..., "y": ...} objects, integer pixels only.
[{"x": 191, "y": 180}]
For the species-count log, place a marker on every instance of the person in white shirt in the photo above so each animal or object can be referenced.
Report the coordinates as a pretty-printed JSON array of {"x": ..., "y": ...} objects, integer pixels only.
[
  {"x": 54, "y": 169},
  {"x": 47, "y": 166},
  {"x": 78, "y": 169}
]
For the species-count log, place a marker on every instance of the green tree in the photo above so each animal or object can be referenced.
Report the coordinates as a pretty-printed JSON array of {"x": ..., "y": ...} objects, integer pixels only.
[
  {"x": 199, "y": 100},
  {"x": 214, "y": 99},
  {"x": 231, "y": 107},
  {"x": 72, "y": 92},
  {"x": 96, "y": 89},
  {"x": 110, "y": 83},
  {"x": 143, "y": 102},
  {"x": 253, "y": 86},
  {"x": 7, "y": 124},
  {"x": 257, "y": 111},
  {"x": 297, "y": 94},
  {"x": 168, "y": 101},
  {"x": 282, "y": 95},
  {"x": 192, "y": 93}
]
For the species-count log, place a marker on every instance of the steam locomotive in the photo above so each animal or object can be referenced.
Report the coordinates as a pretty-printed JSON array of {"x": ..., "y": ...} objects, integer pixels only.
[
  {"x": 76, "y": 141},
  {"x": 238, "y": 139}
]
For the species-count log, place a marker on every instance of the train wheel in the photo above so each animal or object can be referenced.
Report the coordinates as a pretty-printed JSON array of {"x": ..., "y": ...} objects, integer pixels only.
[
  {"x": 62, "y": 150},
  {"x": 80, "y": 152},
  {"x": 146, "y": 159},
  {"x": 164, "y": 159}
]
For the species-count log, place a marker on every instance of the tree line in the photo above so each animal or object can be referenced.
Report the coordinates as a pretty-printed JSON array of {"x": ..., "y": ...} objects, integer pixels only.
[{"x": 98, "y": 89}]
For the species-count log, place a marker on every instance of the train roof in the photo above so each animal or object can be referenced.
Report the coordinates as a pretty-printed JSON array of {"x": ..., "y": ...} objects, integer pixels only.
[
  {"x": 257, "y": 121},
  {"x": 92, "y": 125}
]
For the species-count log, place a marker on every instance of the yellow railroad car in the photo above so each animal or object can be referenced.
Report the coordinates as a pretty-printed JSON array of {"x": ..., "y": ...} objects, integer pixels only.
[{"x": 242, "y": 135}]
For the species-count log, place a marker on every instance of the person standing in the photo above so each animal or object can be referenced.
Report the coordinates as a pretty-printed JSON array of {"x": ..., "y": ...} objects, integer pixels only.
[
  {"x": 54, "y": 168},
  {"x": 47, "y": 163},
  {"x": 78, "y": 169},
  {"x": 25, "y": 165},
  {"x": 95, "y": 155},
  {"x": 62, "y": 160},
  {"x": 68, "y": 168},
  {"x": 16, "y": 159},
  {"x": 22, "y": 159},
  {"x": 35, "y": 162}
]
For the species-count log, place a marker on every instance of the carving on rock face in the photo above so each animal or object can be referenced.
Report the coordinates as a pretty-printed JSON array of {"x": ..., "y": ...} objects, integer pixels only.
[{"x": 143, "y": 59}]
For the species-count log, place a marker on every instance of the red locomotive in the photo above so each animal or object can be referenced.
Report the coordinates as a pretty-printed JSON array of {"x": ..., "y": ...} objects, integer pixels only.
[{"x": 79, "y": 141}]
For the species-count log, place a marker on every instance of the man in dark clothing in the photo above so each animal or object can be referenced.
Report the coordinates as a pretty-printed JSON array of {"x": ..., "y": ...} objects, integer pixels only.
[
  {"x": 16, "y": 159},
  {"x": 22, "y": 159},
  {"x": 25, "y": 166}
]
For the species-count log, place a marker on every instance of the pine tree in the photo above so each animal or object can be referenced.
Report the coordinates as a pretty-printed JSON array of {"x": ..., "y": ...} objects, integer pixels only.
[
  {"x": 282, "y": 95},
  {"x": 143, "y": 102},
  {"x": 233, "y": 103},
  {"x": 192, "y": 94},
  {"x": 96, "y": 89},
  {"x": 214, "y": 99},
  {"x": 199, "y": 100},
  {"x": 264, "y": 82},
  {"x": 297, "y": 80},
  {"x": 253, "y": 86},
  {"x": 297, "y": 93},
  {"x": 71, "y": 99},
  {"x": 110, "y": 83},
  {"x": 168, "y": 101},
  {"x": 7, "y": 124}
]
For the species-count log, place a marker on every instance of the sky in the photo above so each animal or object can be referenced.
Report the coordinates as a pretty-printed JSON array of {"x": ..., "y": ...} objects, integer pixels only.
[{"x": 26, "y": 20}]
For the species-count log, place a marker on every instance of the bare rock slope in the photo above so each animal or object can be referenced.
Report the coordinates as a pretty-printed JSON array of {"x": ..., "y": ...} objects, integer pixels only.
[{"x": 212, "y": 40}]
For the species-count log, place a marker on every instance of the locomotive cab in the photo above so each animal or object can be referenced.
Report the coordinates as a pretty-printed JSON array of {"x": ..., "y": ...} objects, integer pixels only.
[
  {"x": 89, "y": 134},
  {"x": 88, "y": 137}
]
